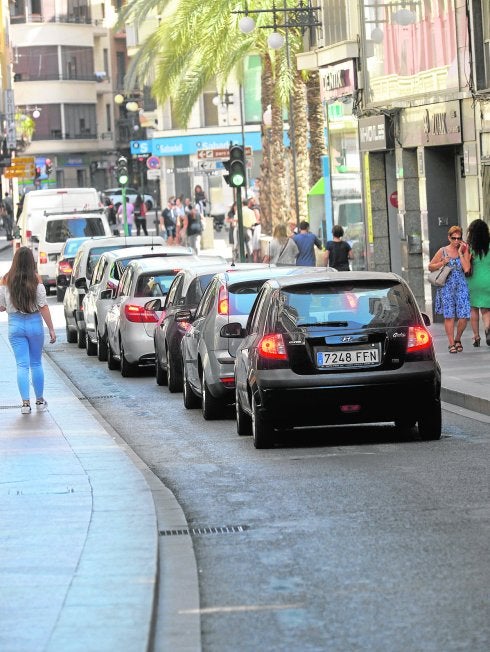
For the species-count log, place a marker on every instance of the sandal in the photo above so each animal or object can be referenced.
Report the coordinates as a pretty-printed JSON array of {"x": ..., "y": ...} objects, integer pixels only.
[
  {"x": 458, "y": 345},
  {"x": 452, "y": 349},
  {"x": 476, "y": 341}
]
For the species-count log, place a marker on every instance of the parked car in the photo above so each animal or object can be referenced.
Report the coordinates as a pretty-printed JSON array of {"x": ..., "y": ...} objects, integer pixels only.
[
  {"x": 130, "y": 322},
  {"x": 208, "y": 359},
  {"x": 184, "y": 294},
  {"x": 83, "y": 268},
  {"x": 348, "y": 348},
  {"x": 115, "y": 195},
  {"x": 65, "y": 265}
]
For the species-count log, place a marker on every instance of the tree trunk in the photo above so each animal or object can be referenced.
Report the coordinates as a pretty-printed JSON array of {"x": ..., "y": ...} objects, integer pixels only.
[
  {"x": 316, "y": 118},
  {"x": 300, "y": 148},
  {"x": 267, "y": 85},
  {"x": 278, "y": 194}
]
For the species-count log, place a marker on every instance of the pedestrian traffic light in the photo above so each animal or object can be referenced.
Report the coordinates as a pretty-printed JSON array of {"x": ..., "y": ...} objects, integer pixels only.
[
  {"x": 235, "y": 167},
  {"x": 122, "y": 171},
  {"x": 48, "y": 167}
]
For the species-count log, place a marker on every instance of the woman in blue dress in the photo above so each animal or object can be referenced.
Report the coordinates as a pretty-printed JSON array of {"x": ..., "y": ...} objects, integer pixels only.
[{"x": 453, "y": 298}]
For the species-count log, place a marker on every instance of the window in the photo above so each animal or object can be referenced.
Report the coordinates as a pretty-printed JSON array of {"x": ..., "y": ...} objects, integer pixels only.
[
  {"x": 241, "y": 297},
  {"x": 61, "y": 230},
  {"x": 48, "y": 125},
  {"x": 36, "y": 63},
  {"x": 175, "y": 291},
  {"x": 194, "y": 291},
  {"x": 80, "y": 121},
  {"x": 108, "y": 117},
  {"x": 155, "y": 284},
  {"x": 99, "y": 271},
  {"x": 77, "y": 63},
  {"x": 263, "y": 301},
  {"x": 207, "y": 299},
  {"x": 335, "y": 21}
]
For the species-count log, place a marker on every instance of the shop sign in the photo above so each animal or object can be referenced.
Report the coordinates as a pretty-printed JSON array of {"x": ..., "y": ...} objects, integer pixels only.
[
  {"x": 337, "y": 80},
  {"x": 434, "y": 124},
  {"x": 375, "y": 134}
]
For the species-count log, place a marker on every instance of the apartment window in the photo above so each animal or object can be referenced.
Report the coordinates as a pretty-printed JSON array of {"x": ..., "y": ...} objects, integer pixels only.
[
  {"x": 335, "y": 21},
  {"x": 36, "y": 63},
  {"x": 77, "y": 63},
  {"x": 105, "y": 55},
  {"x": 48, "y": 125},
  {"x": 210, "y": 110},
  {"x": 80, "y": 121},
  {"x": 120, "y": 69},
  {"x": 108, "y": 117},
  {"x": 78, "y": 11}
]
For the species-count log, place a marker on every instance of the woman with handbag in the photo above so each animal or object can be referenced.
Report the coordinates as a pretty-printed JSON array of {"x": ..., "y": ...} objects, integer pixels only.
[
  {"x": 282, "y": 250},
  {"x": 479, "y": 280},
  {"x": 453, "y": 298}
]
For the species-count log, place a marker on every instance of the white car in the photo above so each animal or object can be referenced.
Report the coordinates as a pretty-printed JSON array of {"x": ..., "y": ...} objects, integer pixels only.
[{"x": 115, "y": 195}]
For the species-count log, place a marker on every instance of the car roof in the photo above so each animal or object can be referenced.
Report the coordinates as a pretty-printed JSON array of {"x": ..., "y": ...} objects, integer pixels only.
[
  {"x": 160, "y": 250},
  {"x": 108, "y": 240},
  {"x": 266, "y": 273},
  {"x": 313, "y": 279},
  {"x": 154, "y": 263}
]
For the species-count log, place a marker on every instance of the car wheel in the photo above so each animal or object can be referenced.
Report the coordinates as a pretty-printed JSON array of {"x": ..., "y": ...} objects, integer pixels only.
[
  {"x": 174, "y": 376},
  {"x": 71, "y": 336},
  {"x": 261, "y": 431},
  {"x": 243, "y": 421},
  {"x": 60, "y": 294},
  {"x": 191, "y": 401},
  {"x": 160, "y": 373},
  {"x": 101, "y": 347},
  {"x": 127, "y": 368},
  {"x": 112, "y": 363},
  {"x": 405, "y": 423},
  {"x": 212, "y": 408},
  {"x": 80, "y": 338},
  {"x": 91, "y": 347},
  {"x": 430, "y": 422}
]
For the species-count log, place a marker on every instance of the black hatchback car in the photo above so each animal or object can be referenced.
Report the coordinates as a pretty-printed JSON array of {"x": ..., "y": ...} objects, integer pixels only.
[{"x": 347, "y": 348}]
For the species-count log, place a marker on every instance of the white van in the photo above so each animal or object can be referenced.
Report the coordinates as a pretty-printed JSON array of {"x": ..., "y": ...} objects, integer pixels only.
[
  {"x": 38, "y": 202},
  {"x": 55, "y": 230}
]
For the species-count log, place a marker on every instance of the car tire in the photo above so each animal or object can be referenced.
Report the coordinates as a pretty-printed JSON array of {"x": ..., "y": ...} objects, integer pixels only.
[
  {"x": 243, "y": 421},
  {"x": 60, "y": 295},
  {"x": 174, "y": 375},
  {"x": 212, "y": 408},
  {"x": 112, "y": 363},
  {"x": 160, "y": 373},
  {"x": 91, "y": 347},
  {"x": 128, "y": 369},
  {"x": 71, "y": 336},
  {"x": 405, "y": 423},
  {"x": 101, "y": 347},
  {"x": 191, "y": 401},
  {"x": 430, "y": 422},
  {"x": 80, "y": 338},
  {"x": 261, "y": 431}
]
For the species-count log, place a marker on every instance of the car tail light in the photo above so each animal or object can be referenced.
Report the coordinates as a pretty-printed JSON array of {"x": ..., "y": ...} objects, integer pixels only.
[
  {"x": 419, "y": 339},
  {"x": 43, "y": 257},
  {"x": 28, "y": 235},
  {"x": 139, "y": 314},
  {"x": 64, "y": 267},
  {"x": 223, "y": 301},
  {"x": 228, "y": 381},
  {"x": 272, "y": 347}
]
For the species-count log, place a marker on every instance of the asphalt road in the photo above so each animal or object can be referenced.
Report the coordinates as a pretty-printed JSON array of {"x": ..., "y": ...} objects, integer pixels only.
[{"x": 350, "y": 539}]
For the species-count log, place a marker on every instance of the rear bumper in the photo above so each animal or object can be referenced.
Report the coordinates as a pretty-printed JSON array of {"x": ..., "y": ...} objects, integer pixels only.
[{"x": 292, "y": 401}]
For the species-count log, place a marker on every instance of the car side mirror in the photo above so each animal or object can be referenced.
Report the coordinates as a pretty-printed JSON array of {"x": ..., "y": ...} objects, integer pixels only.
[
  {"x": 81, "y": 283},
  {"x": 234, "y": 329},
  {"x": 184, "y": 315},
  {"x": 107, "y": 294},
  {"x": 154, "y": 304},
  {"x": 426, "y": 319}
]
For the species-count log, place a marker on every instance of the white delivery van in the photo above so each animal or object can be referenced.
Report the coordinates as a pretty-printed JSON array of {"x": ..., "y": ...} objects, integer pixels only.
[
  {"x": 37, "y": 202},
  {"x": 55, "y": 230}
]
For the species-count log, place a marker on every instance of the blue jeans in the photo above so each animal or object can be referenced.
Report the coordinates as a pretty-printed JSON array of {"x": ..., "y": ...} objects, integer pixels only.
[{"x": 26, "y": 336}]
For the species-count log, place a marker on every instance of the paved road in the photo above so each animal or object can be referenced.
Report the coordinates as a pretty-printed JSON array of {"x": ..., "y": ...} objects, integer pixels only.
[{"x": 353, "y": 539}]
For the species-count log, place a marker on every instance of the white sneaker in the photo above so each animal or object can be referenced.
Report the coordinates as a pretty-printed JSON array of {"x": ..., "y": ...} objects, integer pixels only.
[
  {"x": 25, "y": 409},
  {"x": 41, "y": 406}
]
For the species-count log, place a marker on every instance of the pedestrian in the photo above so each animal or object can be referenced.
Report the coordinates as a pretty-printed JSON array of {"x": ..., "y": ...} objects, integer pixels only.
[
  {"x": 179, "y": 212},
  {"x": 282, "y": 249},
  {"x": 168, "y": 222},
  {"x": 8, "y": 216},
  {"x": 479, "y": 280},
  {"x": 23, "y": 296},
  {"x": 129, "y": 216},
  {"x": 193, "y": 229},
  {"x": 306, "y": 243},
  {"x": 200, "y": 201},
  {"x": 453, "y": 298},
  {"x": 140, "y": 211},
  {"x": 339, "y": 252}
]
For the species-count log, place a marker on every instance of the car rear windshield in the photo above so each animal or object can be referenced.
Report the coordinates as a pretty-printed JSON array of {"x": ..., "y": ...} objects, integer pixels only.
[
  {"x": 156, "y": 284},
  {"x": 74, "y": 227},
  {"x": 242, "y": 296},
  {"x": 363, "y": 305}
]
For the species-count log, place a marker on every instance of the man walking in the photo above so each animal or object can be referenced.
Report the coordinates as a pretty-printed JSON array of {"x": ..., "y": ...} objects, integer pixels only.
[
  {"x": 306, "y": 243},
  {"x": 8, "y": 218}
]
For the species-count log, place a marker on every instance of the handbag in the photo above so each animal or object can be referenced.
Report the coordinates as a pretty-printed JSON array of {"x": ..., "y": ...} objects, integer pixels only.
[{"x": 438, "y": 277}]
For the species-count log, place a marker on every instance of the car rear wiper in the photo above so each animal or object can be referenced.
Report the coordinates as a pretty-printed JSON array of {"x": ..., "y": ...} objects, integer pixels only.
[{"x": 333, "y": 324}]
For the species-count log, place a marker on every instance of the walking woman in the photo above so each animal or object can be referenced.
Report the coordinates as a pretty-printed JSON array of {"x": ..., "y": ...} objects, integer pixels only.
[
  {"x": 479, "y": 281},
  {"x": 282, "y": 250},
  {"x": 23, "y": 296},
  {"x": 453, "y": 298}
]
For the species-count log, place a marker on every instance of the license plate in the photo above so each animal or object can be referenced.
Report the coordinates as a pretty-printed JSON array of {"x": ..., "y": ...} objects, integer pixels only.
[{"x": 358, "y": 357}]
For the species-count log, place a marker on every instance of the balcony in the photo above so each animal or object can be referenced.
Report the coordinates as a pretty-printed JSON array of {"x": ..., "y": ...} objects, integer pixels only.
[
  {"x": 29, "y": 17},
  {"x": 27, "y": 77}
]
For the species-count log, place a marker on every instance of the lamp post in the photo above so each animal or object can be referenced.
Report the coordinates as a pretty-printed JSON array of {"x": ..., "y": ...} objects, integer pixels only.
[{"x": 301, "y": 17}]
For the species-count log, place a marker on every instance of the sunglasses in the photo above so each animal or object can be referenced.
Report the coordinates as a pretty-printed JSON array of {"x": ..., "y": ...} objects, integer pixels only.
[{"x": 453, "y": 237}]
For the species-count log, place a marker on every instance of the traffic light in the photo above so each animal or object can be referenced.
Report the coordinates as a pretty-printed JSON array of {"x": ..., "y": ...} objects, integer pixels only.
[
  {"x": 235, "y": 167},
  {"x": 48, "y": 167},
  {"x": 122, "y": 171}
]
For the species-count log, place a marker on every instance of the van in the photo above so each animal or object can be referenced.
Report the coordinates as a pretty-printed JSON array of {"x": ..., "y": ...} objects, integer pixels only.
[
  {"x": 37, "y": 202},
  {"x": 55, "y": 230}
]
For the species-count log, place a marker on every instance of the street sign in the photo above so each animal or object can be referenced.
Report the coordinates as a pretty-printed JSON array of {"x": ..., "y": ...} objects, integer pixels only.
[
  {"x": 153, "y": 163},
  {"x": 218, "y": 153},
  {"x": 23, "y": 160},
  {"x": 152, "y": 174},
  {"x": 209, "y": 165}
]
